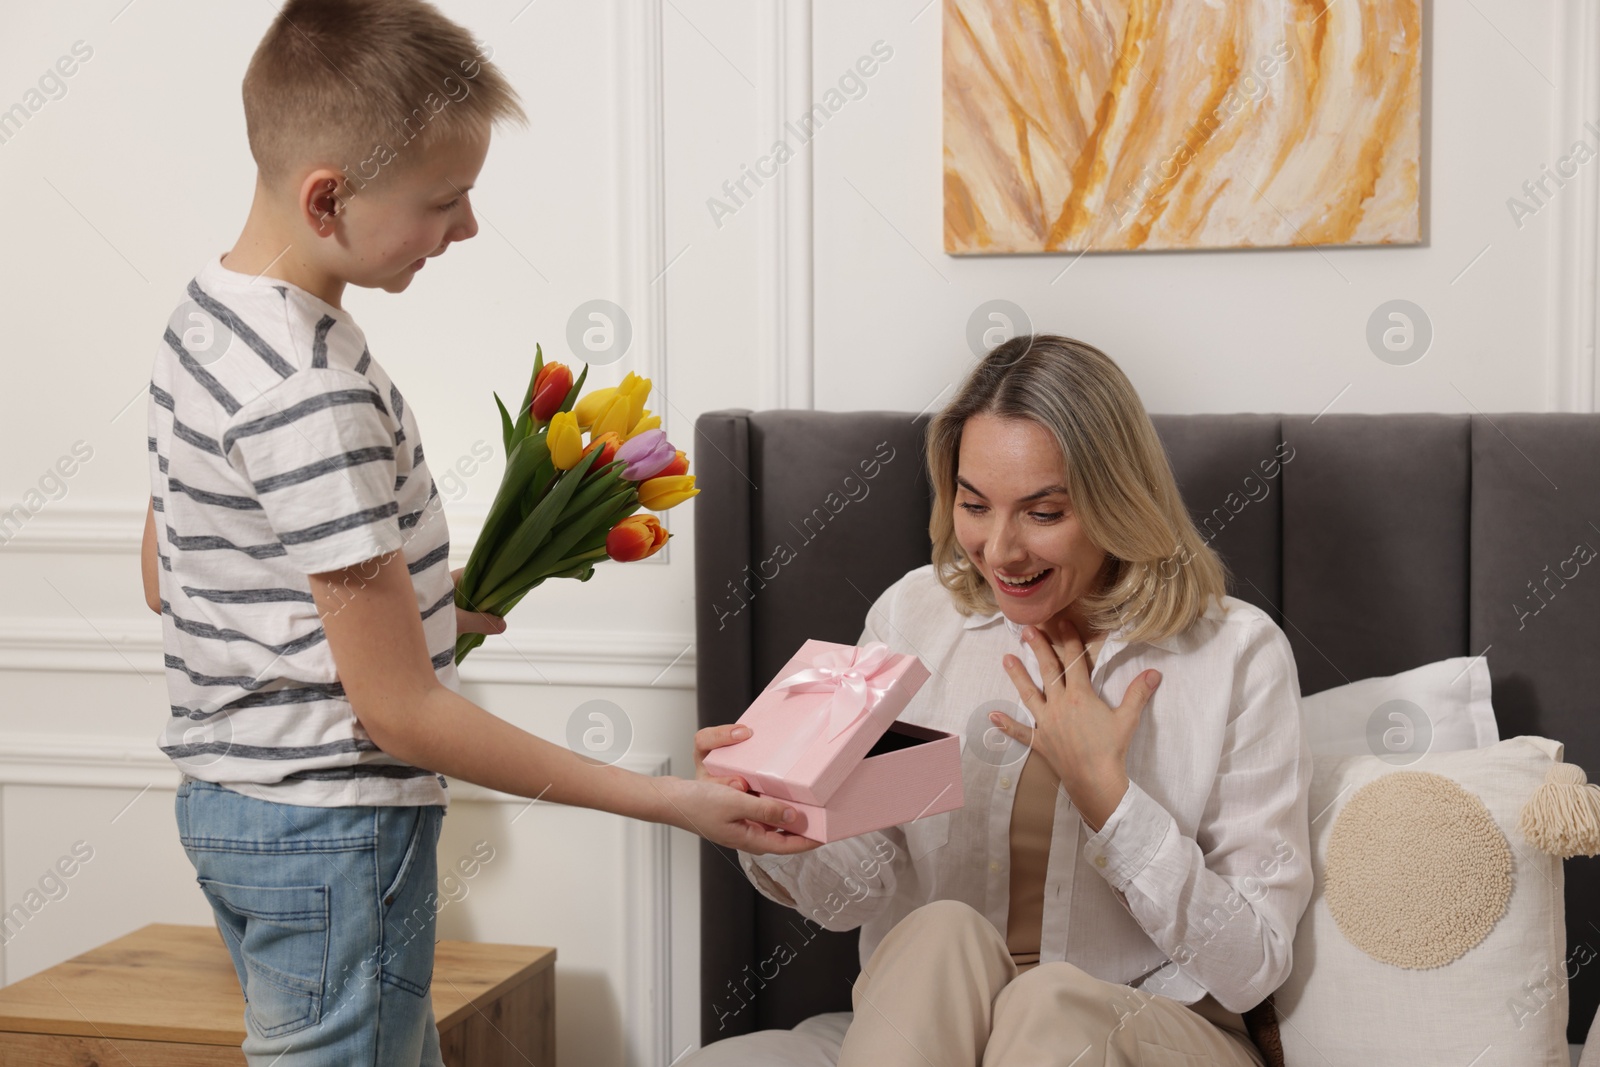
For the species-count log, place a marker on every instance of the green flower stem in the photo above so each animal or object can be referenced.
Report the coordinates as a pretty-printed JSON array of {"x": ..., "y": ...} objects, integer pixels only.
[
  {"x": 533, "y": 531},
  {"x": 527, "y": 457},
  {"x": 501, "y": 602},
  {"x": 466, "y": 643},
  {"x": 583, "y": 536},
  {"x": 542, "y": 563}
]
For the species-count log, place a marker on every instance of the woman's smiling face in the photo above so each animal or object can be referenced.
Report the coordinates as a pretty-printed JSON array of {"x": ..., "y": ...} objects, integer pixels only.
[{"x": 1014, "y": 520}]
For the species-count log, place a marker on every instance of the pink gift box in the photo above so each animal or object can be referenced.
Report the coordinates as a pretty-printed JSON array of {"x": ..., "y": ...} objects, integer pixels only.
[{"x": 824, "y": 738}]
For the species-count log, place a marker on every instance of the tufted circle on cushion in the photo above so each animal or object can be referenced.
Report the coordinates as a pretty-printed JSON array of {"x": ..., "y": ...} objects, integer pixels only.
[{"x": 1417, "y": 872}]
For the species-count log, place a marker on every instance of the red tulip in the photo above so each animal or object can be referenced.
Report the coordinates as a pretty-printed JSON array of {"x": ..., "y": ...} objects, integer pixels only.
[
  {"x": 634, "y": 538},
  {"x": 550, "y": 389}
]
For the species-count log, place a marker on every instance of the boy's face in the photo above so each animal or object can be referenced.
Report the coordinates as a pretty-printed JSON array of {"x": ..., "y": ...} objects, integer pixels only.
[{"x": 388, "y": 229}]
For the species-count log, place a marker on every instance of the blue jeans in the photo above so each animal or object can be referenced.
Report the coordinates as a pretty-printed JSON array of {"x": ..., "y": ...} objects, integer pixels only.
[{"x": 329, "y": 914}]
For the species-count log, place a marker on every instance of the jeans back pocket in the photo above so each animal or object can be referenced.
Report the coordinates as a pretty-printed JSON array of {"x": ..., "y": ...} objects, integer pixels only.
[
  {"x": 411, "y": 906},
  {"x": 281, "y": 933}
]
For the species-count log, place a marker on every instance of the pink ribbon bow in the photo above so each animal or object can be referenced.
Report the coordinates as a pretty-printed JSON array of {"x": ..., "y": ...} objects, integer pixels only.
[{"x": 848, "y": 674}]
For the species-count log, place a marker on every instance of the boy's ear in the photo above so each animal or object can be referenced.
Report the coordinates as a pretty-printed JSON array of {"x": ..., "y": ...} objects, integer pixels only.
[{"x": 319, "y": 202}]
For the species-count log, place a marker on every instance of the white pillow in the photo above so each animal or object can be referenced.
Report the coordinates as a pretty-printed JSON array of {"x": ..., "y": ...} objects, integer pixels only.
[
  {"x": 1441, "y": 707},
  {"x": 1500, "y": 1003}
]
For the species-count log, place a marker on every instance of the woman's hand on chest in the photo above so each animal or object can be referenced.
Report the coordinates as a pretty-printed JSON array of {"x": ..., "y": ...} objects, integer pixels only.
[{"x": 1083, "y": 738}]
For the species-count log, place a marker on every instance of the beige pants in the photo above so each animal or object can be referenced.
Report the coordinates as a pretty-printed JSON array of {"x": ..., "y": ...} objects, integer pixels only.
[{"x": 941, "y": 991}]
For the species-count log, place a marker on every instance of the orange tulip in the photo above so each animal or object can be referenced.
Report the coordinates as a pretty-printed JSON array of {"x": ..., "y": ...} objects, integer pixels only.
[
  {"x": 679, "y": 465},
  {"x": 607, "y": 443},
  {"x": 635, "y": 538},
  {"x": 550, "y": 389}
]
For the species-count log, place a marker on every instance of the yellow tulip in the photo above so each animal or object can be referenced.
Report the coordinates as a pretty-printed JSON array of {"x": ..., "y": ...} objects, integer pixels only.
[
  {"x": 617, "y": 408},
  {"x": 589, "y": 406},
  {"x": 613, "y": 418},
  {"x": 661, "y": 493},
  {"x": 637, "y": 390},
  {"x": 646, "y": 422},
  {"x": 566, "y": 443}
]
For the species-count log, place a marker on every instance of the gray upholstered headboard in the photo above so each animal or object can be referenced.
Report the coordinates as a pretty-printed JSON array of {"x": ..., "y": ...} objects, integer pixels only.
[{"x": 1379, "y": 543}]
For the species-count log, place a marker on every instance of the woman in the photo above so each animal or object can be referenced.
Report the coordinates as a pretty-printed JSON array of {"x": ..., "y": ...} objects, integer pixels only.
[{"x": 1130, "y": 865}]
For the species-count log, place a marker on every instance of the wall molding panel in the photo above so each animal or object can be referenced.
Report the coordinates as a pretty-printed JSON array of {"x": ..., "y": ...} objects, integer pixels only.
[
  {"x": 784, "y": 214},
  {"x": 640, "y": 235},
  {"x": 1575, "y": 244},
  {"x": 647, "y": 938},
  {"x": 60, "y": 528},
  {"x": 585, "y": 658}
]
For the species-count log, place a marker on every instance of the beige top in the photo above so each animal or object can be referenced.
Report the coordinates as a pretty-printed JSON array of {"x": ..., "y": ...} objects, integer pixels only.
[{"x": 1033, "y": 816}]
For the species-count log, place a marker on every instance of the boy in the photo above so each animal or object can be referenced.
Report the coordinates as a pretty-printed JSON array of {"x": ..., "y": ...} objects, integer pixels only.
[{"x": 300, "y": 565}]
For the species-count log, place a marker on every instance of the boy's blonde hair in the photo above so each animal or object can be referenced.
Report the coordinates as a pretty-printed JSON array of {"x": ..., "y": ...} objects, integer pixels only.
[
  {"x": 365, "y": 85},
  {"x": 1159, "y": 569}
]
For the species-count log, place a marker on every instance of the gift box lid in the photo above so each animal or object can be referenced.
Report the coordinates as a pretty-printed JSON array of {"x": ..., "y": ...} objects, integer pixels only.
[{"x": 818, "y": 717}]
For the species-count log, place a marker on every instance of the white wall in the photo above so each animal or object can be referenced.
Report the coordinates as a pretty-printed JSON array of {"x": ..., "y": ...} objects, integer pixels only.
[
  {"x": 1278, "y": 330},
  {"x": 827, "y": 287}
]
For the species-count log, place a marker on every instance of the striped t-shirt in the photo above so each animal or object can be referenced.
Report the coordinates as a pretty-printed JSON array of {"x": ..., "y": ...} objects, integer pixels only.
[{"x": 279, "y": 448}]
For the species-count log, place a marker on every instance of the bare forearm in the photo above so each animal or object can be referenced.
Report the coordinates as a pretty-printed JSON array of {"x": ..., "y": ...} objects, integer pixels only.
[
  {"x": 149, "y": 564},
  {"x": 382, "y": 657},
  {"x": 450, "y": 734}
]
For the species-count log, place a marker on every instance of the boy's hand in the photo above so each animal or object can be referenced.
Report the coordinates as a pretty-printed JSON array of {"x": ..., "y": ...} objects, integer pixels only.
[
  {"x": 731, "y": 818},
  {"x": 475, "y": 622},
  {"x": 716, "y": 737},
  {"x": 756, "y": 838}
]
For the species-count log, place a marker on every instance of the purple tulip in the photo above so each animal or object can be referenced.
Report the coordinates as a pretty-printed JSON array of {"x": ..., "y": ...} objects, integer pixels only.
[{"x": 645, "y": 455}]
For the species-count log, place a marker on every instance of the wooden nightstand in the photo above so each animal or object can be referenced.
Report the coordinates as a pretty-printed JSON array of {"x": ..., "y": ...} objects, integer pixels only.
[{"x": 167, "y": 996}]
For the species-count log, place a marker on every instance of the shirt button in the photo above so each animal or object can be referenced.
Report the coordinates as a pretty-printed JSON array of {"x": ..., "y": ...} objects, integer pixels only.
[
  {"x": 1099, "y": 861},
  {"x": 994, "y": 865},
  {"x": 1005, "y": 783}
]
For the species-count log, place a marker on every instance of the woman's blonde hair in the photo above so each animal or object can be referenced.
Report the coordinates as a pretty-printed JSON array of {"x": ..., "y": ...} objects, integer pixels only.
[{"x": 1159, "y": 571}]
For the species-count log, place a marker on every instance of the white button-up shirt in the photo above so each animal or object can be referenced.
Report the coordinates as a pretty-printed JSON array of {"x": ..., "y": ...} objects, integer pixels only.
[{"x": 1194, "y": 884}]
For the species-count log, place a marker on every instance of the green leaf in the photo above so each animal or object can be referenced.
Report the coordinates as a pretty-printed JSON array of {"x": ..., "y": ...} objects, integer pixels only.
[
  {"x": 520, "y": 545},
  {"x": 577, "y": 387},
  {"x": 539, "y": 483},
  {"x": 594, "y": 514},
  {"x": 578, "y": 565},
  {"x": 579, "y": 533},
  {"x": 505, "y": 424},
  {"x": 598, "y": 485},
  {"x": 582, "y": 565},
  {"x": 522, "y": 464},
  {"x": 524, "y": 419},
  {"x": 541, "y": 563}
]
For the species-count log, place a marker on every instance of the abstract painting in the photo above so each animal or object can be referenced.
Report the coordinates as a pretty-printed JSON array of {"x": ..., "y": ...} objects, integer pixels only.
[{"x": 1073, "y": 125}]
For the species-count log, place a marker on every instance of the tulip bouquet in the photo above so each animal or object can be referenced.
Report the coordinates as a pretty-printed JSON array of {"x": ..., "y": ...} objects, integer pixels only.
[{"x": 565, "y": 503}]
